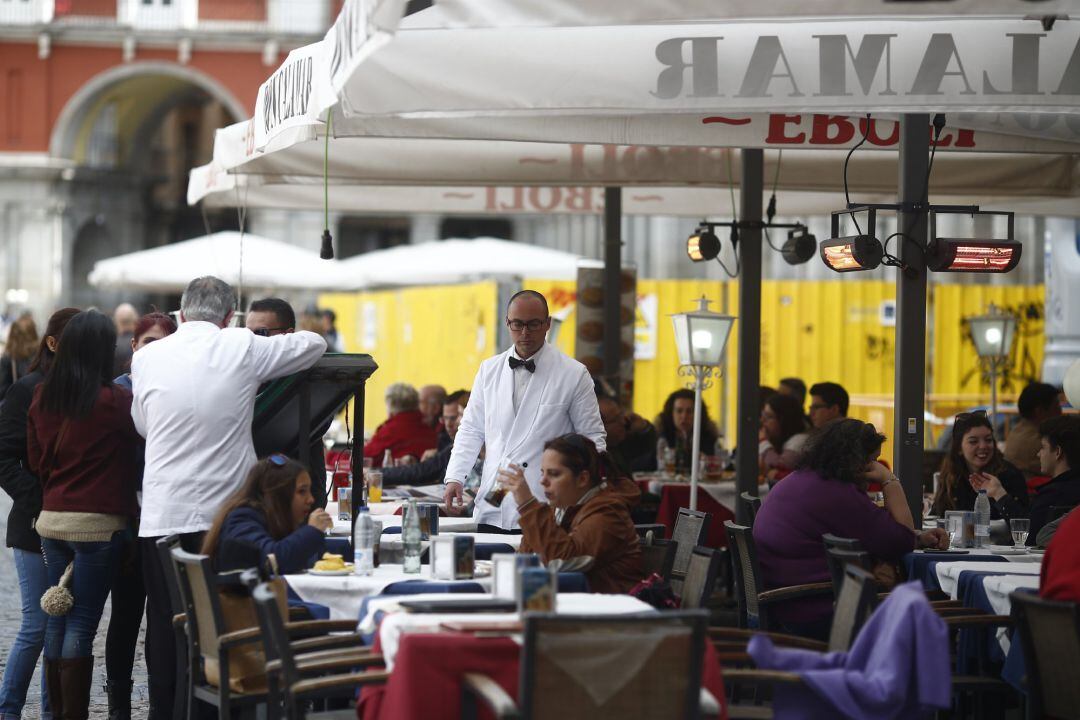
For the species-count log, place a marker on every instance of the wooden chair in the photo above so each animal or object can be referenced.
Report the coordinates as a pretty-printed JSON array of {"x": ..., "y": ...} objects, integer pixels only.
[
  {"x": 838, "y": 559},
  {"x": 1049, "y": 632},
  {"x": 208, "y": 640},
  {"x": 658, "y": 557},
  {"x": 843, "y": 543},
  {"x": 182, "y": 694},
  {"x": 691, "y": 530},
  {"x": 753, "y": 600},
  {"x": 666, "y": 685},
  {"x": 753, "y": 504},
  {"x": 700, "y": 579},
  {"x": 298, "y": 678}
]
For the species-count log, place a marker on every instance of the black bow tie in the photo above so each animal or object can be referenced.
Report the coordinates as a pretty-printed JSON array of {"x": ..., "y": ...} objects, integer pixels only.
[{"x": 527, "y": 364}]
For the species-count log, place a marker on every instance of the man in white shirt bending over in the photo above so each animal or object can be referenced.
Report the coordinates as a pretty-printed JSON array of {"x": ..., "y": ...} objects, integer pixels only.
[
  {"x": 194, "y": 401},
  {"x": 521, "y": 398}
]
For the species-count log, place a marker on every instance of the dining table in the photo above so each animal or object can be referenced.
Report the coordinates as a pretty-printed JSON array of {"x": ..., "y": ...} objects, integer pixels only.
[
  {"x": 717, "y": 497},
  {"x": 427, "y": 661}
]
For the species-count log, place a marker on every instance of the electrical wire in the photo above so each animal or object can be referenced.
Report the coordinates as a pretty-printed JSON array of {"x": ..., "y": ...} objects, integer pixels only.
[
  {"x": 734, "y": 226},
  {"x": 770, "y": 211},
  {"x": 768, "y": 240},
  {"x": 847, "y": 195}
]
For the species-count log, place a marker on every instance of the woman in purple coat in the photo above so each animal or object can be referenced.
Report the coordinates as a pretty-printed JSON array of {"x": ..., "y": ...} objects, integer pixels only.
[{"x": 827, "y": 494}]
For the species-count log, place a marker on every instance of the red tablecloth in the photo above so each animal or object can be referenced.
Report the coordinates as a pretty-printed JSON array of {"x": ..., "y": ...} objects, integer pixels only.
[
  {"x": 676, "y": 495},
  {"x": 426, "y": 680}
]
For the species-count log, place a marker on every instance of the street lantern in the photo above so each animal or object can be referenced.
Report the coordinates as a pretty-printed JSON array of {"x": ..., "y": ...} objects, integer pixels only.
[
  {"x": 993, "y": 335},
  {"x": 700, "y": 337}
]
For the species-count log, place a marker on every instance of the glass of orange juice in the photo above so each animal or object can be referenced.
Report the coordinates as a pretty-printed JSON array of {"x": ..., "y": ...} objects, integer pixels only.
[{"x": 374, "y": 485}]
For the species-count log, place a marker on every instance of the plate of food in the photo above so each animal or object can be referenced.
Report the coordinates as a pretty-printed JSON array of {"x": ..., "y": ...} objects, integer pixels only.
[{"x": 331, "y": 564}]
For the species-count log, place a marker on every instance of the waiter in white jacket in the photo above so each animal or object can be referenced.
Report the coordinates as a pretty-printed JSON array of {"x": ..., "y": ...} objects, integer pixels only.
[
  {"x": 194, "y": 400},
  {"x": 520, "y": 399}
]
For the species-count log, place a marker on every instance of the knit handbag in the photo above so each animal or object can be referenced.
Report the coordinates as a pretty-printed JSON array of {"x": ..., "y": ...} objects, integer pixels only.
[{"x": 57, "y": 600}]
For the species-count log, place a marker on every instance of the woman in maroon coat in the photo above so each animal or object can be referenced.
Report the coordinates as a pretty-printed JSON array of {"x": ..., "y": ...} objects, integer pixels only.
[{"x": 80, "y": 440}]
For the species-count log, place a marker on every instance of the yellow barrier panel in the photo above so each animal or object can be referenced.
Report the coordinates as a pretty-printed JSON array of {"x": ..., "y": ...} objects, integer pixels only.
[{"x": 835, "y": 330}]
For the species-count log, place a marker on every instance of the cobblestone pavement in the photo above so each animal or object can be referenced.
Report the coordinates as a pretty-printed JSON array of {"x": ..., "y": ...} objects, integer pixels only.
[{"x": 10, "y": 616}]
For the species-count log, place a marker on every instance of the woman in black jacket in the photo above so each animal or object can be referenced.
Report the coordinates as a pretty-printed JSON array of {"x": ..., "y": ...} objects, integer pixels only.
[{"x": 25, "y": 490}]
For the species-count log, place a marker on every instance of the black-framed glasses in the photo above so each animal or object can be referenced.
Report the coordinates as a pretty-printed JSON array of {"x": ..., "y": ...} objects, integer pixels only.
[
  {"x": 266, "y": 332},
  {"x": 278, "y": 459},
  {"x": 519, "y": 325}
]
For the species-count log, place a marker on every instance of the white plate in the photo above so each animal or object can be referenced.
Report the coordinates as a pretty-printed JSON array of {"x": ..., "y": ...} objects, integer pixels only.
[
  {"x": 348, "y": 570},
  {"x": 1007, "y": 550},
  {"x": 1036, "y": 551}
]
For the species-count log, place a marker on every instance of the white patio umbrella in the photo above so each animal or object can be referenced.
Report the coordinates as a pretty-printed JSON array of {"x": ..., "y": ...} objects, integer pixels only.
[{"x": 169, "y": 268}]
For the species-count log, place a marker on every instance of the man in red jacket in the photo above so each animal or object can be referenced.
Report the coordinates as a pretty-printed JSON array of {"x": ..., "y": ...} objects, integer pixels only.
[
  {"x": 404, "y": 434},
  {"x": 1061, "y": 564}
]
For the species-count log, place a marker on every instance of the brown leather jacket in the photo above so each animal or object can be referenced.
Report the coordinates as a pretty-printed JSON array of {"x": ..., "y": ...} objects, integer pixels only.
[{"x": 600, "y": 528}]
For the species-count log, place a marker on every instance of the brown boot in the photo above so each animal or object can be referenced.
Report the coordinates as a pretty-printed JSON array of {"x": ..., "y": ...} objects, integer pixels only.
[
  {"x": 52, "y": 685},
  {"x": 76, "y": 675}
]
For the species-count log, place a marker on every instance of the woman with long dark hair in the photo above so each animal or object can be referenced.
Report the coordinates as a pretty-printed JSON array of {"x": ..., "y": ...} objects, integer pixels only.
[
  {"x": 275, "y": 512},
  {"x": 783, "y": 434},
  {"x": 974, "y": 463},
  {"x": 676, "y": 426},
  {"x": 80, "y": 440},
  {"x": 827, "y": 493},
  {"x": 586, "y": 519},
  {"x": 25, "y": 491}
]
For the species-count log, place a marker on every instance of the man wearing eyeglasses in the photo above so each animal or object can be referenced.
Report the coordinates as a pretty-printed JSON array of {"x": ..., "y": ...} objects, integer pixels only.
[
  {"x": 270, "y": 316},
  {"x": 521, "y": 398}
]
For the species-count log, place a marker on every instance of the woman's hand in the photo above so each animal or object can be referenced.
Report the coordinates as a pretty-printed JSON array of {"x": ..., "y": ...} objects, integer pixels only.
[
  {"x": 989, "y": 483},
  {"x": 320, "y": 520},
  {"x": 513, "y": 479},
  {"x": 876, "y": 472},
  {"x": 934, "y": 539}
]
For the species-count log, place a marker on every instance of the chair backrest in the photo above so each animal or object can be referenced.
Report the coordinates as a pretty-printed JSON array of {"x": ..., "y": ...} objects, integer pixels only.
[
  {"x": 700, "y": 578},
  {"x": 274, "y": 635},
  {"x": 838, "y": 559},
  {"x": 569, "y": 669},
  {"x": 658, "y": 530},
  {"x": 658, "y": 557},
  {"x": 1050, "y": 633},
  {"x": 691, "y": 529},
  {"x": 747, "y": 572},
  {"x": 753, "y": 504},
  {"x": 165, "y": 546},
  {"x": 854, "y": 603},
  {"x": 198, "y": 590}
]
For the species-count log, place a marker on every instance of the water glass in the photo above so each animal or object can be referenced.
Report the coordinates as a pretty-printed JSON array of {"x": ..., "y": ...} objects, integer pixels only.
[{"x": 1020, "y": 528}]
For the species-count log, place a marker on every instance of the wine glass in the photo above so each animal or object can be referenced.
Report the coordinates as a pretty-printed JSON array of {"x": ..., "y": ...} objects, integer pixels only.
[{"x": 1019, "y": 528}]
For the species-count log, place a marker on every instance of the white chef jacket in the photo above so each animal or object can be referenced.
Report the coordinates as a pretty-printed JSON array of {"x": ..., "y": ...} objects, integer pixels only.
[
  {"x": 558, "y": 399},
  {"x": 194, "y": 400}
]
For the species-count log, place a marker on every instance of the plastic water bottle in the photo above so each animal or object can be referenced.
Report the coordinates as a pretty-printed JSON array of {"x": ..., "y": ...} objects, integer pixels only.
[
  {"x": 364, "y": 544},
  {"x": 982, "y": 520},
  {"x": 410, "y": 538}
]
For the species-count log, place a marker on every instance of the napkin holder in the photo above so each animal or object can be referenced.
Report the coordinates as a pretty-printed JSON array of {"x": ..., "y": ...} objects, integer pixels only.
[
  {"x": 453, "y": 557},
  {"x": 505, "y": 575},
  {"x": 429, "y": 520},
  {"x": 538, "y": 588}
]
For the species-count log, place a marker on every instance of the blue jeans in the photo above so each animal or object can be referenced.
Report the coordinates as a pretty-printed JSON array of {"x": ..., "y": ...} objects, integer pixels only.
[
  {"x": 33, "y": 581},
  {"x": 96, "y": 563}
]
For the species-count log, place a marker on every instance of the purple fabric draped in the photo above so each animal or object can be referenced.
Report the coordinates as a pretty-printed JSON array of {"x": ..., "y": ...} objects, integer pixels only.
[{"x": 898, "y": 666}]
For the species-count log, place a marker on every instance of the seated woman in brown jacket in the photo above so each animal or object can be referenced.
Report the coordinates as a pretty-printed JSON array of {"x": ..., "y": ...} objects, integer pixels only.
[{"x": 587, "y": 515}]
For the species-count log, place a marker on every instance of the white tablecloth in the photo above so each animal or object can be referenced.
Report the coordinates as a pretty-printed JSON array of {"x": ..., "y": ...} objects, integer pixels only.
[
  {"x": 948, "y": 573},
  {"x": 395, "y": 624},
  {"x": 343, "y": 593},
  {"x": 998, "y": 588}
]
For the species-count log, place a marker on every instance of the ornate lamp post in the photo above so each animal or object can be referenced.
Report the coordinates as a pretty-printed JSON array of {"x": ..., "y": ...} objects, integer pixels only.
[
  {"x": 993, "y": 335},
  {"x": 700, "y": 336}
]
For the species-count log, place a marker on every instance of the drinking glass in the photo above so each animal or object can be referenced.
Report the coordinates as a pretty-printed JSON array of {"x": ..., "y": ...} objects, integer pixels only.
[
  {"x": 1020, "y": 528},
  {"x": 954, "y": 523},
  {"x": 498, "y": 490},
  {"x": 374, "y": 485}
]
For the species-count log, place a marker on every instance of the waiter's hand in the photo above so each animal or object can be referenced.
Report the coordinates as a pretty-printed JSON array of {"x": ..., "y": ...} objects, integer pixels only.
[
  {"x": 512, "y": 478},
  {"x": 455, "y": 504}
]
